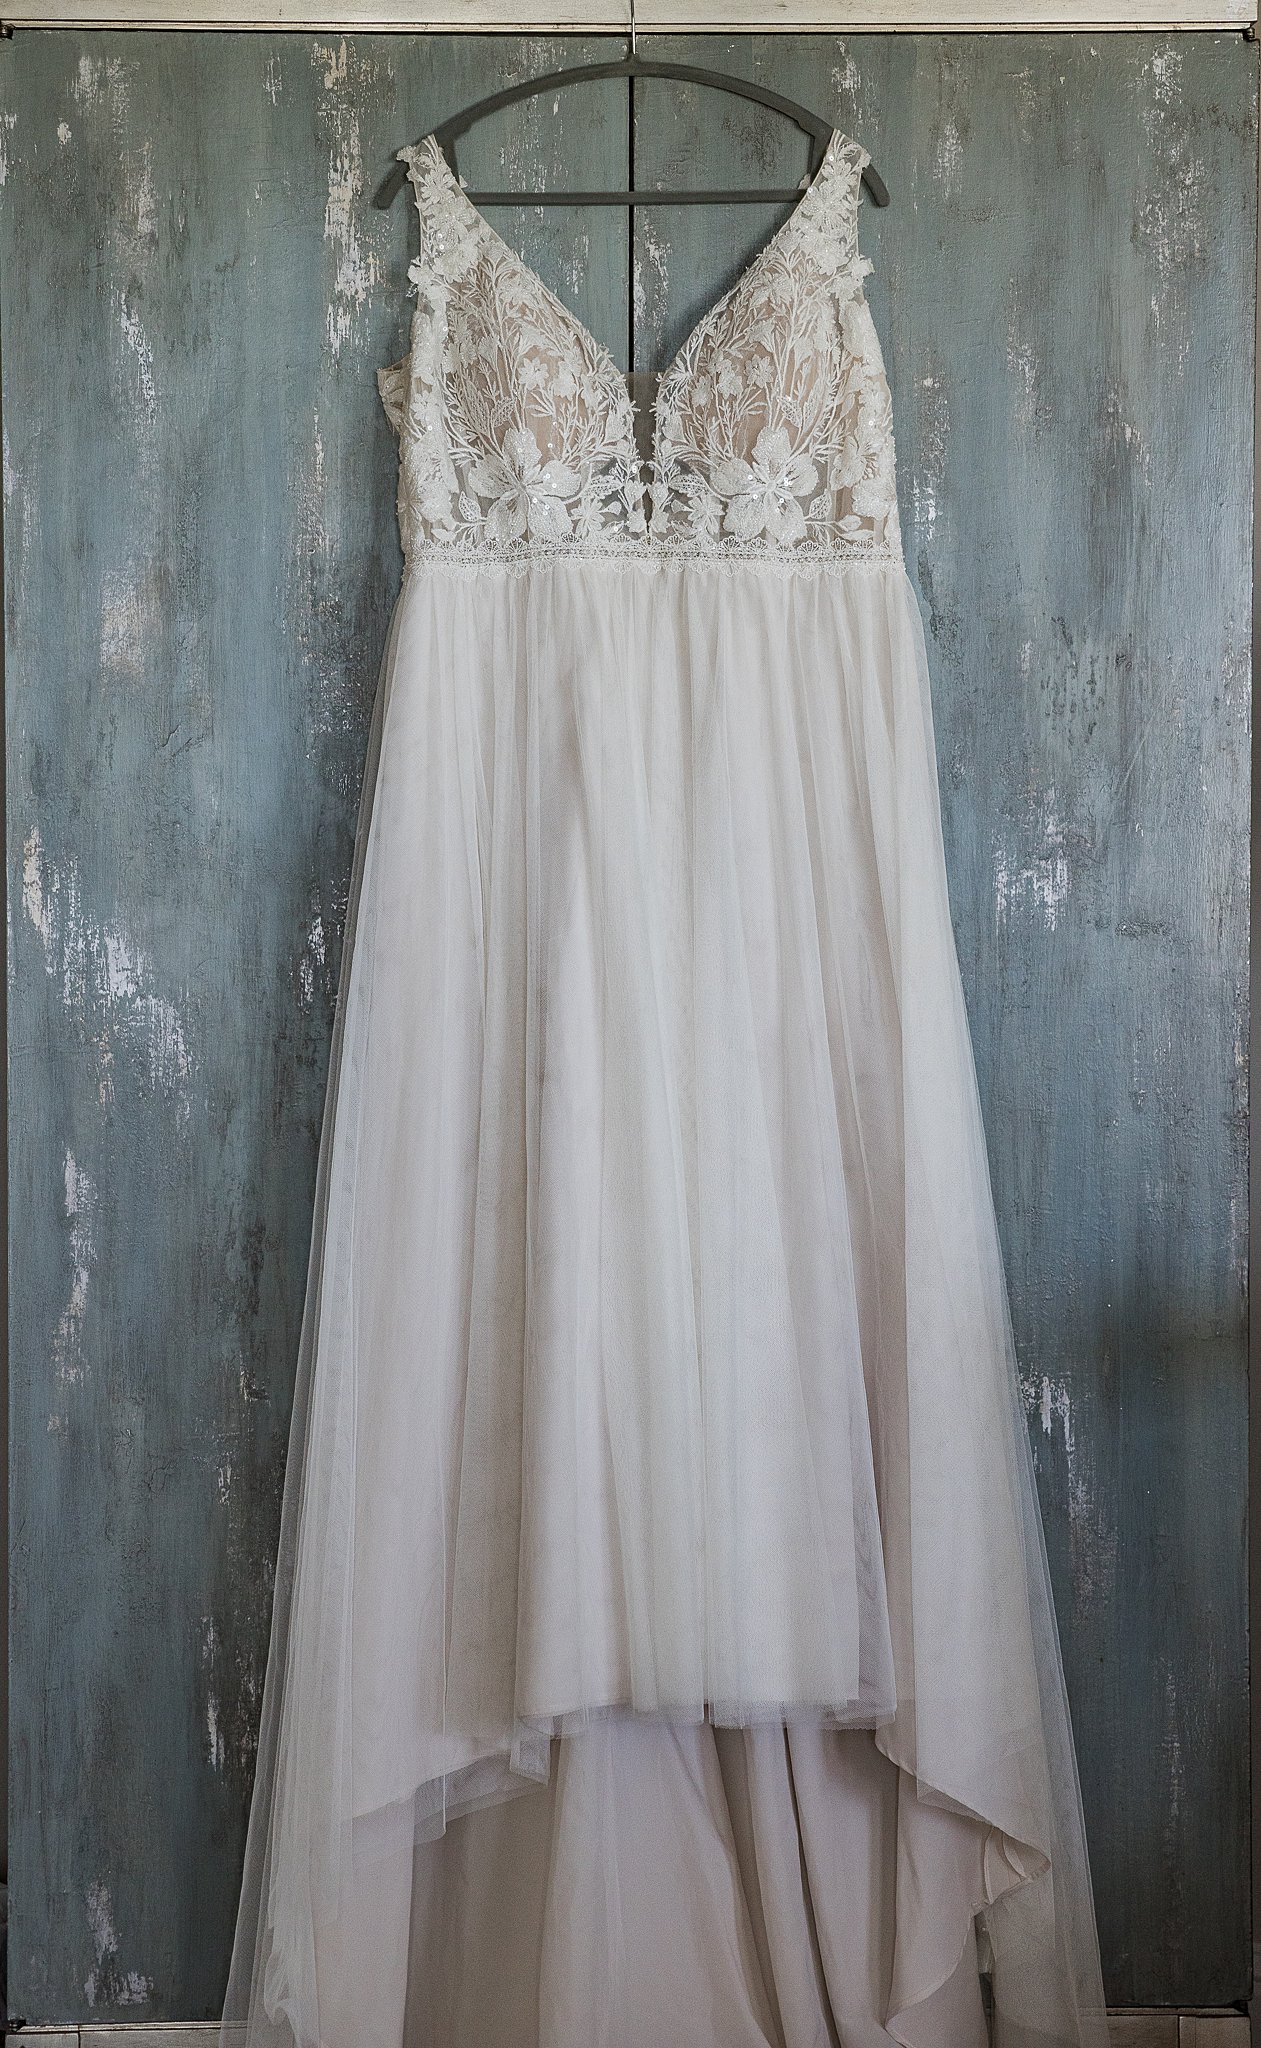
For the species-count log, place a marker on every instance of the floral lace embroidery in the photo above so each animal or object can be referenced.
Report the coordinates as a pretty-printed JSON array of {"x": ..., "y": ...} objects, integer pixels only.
[
  {"x": 772, "y": 428},
  {"x": 775, "y": 423},
  {"x": 512, "y": 428}
]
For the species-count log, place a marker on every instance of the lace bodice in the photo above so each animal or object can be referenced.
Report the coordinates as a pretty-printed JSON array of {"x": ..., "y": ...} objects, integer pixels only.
[{"x": 772, "y": 431}]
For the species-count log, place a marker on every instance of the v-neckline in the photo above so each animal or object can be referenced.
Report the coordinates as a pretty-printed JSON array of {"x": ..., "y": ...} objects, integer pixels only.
[{"x": 599, "y": 353}]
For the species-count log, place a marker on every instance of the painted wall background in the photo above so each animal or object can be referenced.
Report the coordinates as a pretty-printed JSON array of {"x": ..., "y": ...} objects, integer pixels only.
[{"x": 199, "y": 559}]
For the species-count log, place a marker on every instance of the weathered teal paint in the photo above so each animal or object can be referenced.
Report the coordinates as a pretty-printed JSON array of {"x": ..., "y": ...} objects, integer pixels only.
[{"x": 200, "y": 557}]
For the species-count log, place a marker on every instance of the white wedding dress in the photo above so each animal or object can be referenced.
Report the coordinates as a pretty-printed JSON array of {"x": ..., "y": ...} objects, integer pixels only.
[{"x": 663, "y": 1653}]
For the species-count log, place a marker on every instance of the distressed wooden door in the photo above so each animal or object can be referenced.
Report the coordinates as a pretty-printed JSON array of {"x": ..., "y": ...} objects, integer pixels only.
[{"x": 199, "y": 560}]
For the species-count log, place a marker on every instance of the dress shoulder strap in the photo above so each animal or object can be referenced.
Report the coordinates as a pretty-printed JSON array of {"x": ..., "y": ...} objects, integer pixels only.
[
  {"x": 828, "y": 216},
  {"x": 450, "y": 229}
]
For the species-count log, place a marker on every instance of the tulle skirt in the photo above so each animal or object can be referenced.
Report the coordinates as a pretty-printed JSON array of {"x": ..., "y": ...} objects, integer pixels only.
[{"x": 662, "y": 1649}]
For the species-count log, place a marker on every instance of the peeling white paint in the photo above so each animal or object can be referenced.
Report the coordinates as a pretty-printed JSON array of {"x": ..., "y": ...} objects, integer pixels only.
[
  {"x": 1169, "y": 225},
  {"x": 930, "y": 467},
  {"x": 128, "y": 975},
  {"x": 1028, "y": 100},
  {"x": 315, "y": 541},
  {"x": 1092, "y": 1524},
  {"x": 1042, "y": 880},
  {"x": 101, "y": 81},
  {"x": 108, "y": 983},
  {"x": 314, "y": 538},
  {"x": 80, "y": 1200},
  {"x": 1164, "y": 68},
  {"x": 135, "y": 339},
  {"x": 356, "y": 272},
  {"x": 654, "y": 253},
  {"x": 273, "y": 80},
  {"x": 216, "y": 1733},
  {"x": 1023, "y": 368},
  {"x": 334, "y": 62},
  {"x": 1054, "y": 1402},
  {"x": 127, "y": 620},
  {"x": 214, "y": 1730},
  {"x": 1170, "y": 222},
  {"x": 313, "y": 955},
  {"x": 845, "y": 77},
  {"x": 34, "y": 901},
  {"x": 949, "y": 157},
  {"x": 1124, "y": 432},
  {"x": 575, "y": 265},
  {"x": 63, "y": 132},
  {"x": 7, "y": 124},
  {"x": 106, "y": 1979},
  {"x": 139, "y": 195}
]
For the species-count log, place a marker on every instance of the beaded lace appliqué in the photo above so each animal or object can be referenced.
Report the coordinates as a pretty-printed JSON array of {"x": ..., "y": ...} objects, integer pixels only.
[{"x": 773, "y": 435}]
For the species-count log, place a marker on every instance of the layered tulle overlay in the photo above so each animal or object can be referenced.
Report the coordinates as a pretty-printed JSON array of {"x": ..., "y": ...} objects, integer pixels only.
[{"x": 663, "y": 1653}]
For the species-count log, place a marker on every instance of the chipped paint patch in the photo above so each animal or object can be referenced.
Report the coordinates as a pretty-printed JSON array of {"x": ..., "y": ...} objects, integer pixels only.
[
  {"x": 949, "y": 156},
  {"x": 231, "y": 1699},
  {"x": 106, "y": 1983},
  {"x": 138, "y": 211},
  {"x": 845, "y": 76},
  {"x": 273, "y": 80},
  {"x": 63, "y": 132},
  {"x": 313, "y": 552},
  {"x": 313, "y": 957},
  {"x": 354, "y": 233},
  {"x": 356, "y": 272},
  {"x": 930, "y": 467},
  {"x": 34, "y": 901},
  {"x": 102, "y": 81},
  {"x": 1164, "y": 70},
  {"x": 334, "y": 62},
  {"x": 135, "y": 339},
  {"x": 127, "y": 619},
  {"x": 1169, "y": 225},
  {"x": 1053, "y": 1405},
  {"x": 1092, "y": 1525},
  {"x": 1028, "y": 89},
  {"x": 1042, "y": 880},
  {"x": 107, "y": 982},
  {"x": 1030, "y": 412},
  {"x": 1124, "y": 441},
  {"x": 1170, "y": 222},
  {"x": 654, "y": 253},
  {"x": 214, "y": 1727},
  {"x": 80, "y": 1201}
]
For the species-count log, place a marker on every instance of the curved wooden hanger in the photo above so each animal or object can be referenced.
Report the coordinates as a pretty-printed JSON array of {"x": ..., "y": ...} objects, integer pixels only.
[{"x": 632, "y": 67}]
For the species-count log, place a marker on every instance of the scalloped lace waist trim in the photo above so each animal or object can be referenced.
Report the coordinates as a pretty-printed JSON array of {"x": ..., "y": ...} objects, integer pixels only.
[{"x": 656, "y": 554}]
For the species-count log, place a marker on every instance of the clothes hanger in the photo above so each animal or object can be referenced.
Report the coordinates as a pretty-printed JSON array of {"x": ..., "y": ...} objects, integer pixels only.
[{"x": 632, "y": 67}]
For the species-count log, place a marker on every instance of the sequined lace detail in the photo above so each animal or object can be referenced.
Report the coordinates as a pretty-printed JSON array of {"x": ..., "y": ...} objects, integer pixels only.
[{"x": 772, "y": 434}]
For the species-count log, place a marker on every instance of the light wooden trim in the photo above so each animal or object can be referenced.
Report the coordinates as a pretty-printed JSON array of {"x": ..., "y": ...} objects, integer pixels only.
[
  {"x": 779, "y": 17},
  {"x": 1154, "y": 2028}
]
